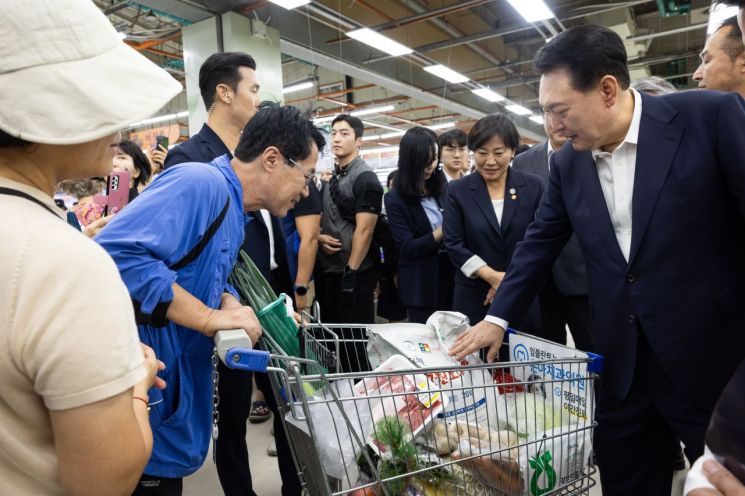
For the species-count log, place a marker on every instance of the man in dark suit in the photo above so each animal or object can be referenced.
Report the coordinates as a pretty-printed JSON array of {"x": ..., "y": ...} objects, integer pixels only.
[
  {"x": 563, "y": 300},
  {"x": 654, "y": 188},
  {"x": 229, "y": 89}
]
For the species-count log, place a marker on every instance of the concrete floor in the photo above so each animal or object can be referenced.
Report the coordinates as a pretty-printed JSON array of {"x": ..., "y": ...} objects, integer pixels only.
[{"x": 263, "y": 467}]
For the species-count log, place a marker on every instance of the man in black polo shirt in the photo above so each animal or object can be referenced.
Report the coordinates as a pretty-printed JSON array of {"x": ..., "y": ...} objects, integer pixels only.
[{"x": 351, "y": 206}]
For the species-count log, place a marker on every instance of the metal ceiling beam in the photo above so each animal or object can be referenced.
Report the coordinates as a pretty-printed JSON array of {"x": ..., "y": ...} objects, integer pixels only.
[
  {"x": 447, "y": 28},
  {"x": 331, "y": 94},
  {"x": 334, "y": 64},
  {"x": 494, "y": 33},
  {"x": 425, "y": 15},
  {"x": 651, "y": 36}
]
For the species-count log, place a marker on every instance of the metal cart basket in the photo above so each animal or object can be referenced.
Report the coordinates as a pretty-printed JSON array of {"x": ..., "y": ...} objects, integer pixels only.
[{"x": 518, "y": 427}]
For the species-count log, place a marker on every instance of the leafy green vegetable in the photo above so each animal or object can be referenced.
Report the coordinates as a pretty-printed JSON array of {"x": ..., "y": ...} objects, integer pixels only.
[{"x": 255, "y": 291}]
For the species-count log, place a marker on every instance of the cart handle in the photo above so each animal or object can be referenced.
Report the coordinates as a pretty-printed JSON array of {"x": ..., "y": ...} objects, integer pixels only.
[{"x": 235, "y": 349}]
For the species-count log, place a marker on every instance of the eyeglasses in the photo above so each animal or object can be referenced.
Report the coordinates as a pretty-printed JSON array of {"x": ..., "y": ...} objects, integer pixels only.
[{"x": 308, "y": 177}]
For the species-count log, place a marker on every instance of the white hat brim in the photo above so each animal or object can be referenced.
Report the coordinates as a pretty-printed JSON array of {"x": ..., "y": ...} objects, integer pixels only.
[{"x": 84, "y": 100}]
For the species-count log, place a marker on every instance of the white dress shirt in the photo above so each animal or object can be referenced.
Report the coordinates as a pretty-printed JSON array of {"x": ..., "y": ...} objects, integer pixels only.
[
  {"x": 268, "y": 221},
  {"x": 616, "y": 171}
]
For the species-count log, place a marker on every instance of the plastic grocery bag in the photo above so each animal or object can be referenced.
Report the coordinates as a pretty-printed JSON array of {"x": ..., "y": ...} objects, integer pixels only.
[
  {"x": 336, "y": 443},
  {"x": 471, "y": 394},
  {"x": 528, "y": 413}
]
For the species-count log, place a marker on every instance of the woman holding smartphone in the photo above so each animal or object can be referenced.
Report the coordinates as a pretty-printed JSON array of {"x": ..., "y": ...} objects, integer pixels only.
[{"x": 130, "y": 158}]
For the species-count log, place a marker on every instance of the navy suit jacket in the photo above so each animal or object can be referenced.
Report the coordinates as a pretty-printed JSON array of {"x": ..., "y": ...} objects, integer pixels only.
[
  {"x": 471, "y": 228},
  {"x": 205, "y": 146},
  {"x": 684, "y": 282},
  {"x": 569, "y": 270},
  {"x": 420, "y": 278}
]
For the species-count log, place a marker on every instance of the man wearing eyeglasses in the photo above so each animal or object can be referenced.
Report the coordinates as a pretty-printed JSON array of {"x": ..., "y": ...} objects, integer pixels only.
[
  {"x": 230, "y": 91},
  {"x": 176, "y": 264},
  {"x": 453, "y": 153}
]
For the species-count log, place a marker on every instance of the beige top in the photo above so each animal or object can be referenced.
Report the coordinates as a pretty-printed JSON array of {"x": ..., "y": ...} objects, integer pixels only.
[{"x": 67, "y": 335}]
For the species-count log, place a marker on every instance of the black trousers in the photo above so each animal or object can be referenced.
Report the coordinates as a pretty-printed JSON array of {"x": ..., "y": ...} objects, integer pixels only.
[
  {"x": 159, "y": 486},
  {"x": 231, "y": 452},
  {"x": 635, "y": 436},
  {"x": 558, "y": 311},
  {"x": 419, "y": 315},
  {"x": 236, "y": 389},
  {"x": 340, "y": 308}
]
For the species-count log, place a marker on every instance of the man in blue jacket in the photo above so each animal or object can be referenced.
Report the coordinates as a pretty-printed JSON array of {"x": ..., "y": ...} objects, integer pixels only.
[
  {"x": 654, "y": 189},
  {"x": 229, "y": 88},
  {"x": 176, "y": 264}
]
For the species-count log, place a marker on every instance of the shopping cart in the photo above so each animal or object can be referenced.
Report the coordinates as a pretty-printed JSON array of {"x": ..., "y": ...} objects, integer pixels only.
[{"x": 518, "y": 427}]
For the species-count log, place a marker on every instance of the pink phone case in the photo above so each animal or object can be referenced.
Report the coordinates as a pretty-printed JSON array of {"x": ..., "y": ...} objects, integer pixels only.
[{"x": 118, "y": 191}]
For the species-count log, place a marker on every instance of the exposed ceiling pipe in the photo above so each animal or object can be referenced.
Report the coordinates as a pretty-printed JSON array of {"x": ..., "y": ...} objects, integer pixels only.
[
  {"x": 347, "y": 24},
  {"x": 447, "y": 28},
  {"x": 494, "y": 33},
  {"x": 425, "y": 15},
  {"x": 652, "y": 36},
  {"x": 334, "y": 64},
  {"x": 331, "y": 94}
]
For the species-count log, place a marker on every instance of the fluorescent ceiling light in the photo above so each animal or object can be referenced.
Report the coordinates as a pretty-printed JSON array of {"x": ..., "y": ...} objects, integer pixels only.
[
  {"x": 379, "y": 42},
  {"x": 538, "y": 119},
  {"x": 382, "y": 149},
  {"x": 444, "y": 125},
  {"x": 392, "y": 135},
  {"x": 290, "y": 4},
  {"x": 718, "y": 14},
  {"x": 297, "y": 87},
  {"x": 324, "y": 119},
  {"x": 446, "y": 73},
  {"x": 380, "y": 125},
  {"x": 370, "y": 137},
  {"x": 532, "y": 10},
  {"x": 160, "y": 118},
  {"x": 372, "y": 110},
  {"x": 488, "y": 94},
  {"x": 518, "y": 109}
]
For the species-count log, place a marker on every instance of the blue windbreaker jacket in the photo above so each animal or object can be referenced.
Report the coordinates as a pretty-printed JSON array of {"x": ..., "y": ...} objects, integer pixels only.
[{"x": 145, "y": 240}]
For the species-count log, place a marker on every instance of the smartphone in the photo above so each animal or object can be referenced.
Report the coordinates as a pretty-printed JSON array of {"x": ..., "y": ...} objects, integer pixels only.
[
  {"x": 117, "y": 193},
  {"x": 161, "y": 141}
]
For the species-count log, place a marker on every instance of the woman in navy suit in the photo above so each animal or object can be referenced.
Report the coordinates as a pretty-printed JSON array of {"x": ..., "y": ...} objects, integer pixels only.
[
  {"x": 486, "y": 215},
  {"x": 414, "y": 210}
]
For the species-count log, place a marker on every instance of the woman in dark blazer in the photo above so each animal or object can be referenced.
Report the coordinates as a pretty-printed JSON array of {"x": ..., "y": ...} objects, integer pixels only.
[
  {"x": 486, "y": 215},
  {"x": 414, "y": 210}
]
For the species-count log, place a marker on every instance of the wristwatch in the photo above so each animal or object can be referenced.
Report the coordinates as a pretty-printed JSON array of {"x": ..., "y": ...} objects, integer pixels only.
[{"x": 301, "y": 290}]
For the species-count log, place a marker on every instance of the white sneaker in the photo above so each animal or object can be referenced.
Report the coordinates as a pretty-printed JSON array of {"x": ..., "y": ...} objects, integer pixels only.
[{"x": 272, "y": 449}]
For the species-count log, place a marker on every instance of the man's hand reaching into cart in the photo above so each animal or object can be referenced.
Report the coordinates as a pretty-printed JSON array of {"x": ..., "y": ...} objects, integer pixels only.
[{"x": 482, "y": 335}]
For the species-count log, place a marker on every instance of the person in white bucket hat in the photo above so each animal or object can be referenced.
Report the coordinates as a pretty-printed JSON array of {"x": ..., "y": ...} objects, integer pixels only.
[{"x": 71, "y": 364}]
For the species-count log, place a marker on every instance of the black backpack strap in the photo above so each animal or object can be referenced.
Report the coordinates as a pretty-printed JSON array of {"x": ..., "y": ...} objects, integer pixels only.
[
  {"x": 21, "y": 194},
  {"x": 197, "y": 250}
]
